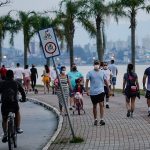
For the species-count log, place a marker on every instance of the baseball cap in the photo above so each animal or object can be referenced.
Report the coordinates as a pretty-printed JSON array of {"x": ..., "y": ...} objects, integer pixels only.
[{"x": 96, "y": 62}]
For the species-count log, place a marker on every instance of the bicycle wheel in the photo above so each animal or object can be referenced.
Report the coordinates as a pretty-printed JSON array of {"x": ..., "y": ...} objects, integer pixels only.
[
  {"x": 15, "y": 137},
  {"x": 10, "y": 139}
]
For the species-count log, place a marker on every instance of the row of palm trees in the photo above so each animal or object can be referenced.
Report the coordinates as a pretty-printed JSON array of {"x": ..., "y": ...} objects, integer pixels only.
[{"x": 92, "y": 15}]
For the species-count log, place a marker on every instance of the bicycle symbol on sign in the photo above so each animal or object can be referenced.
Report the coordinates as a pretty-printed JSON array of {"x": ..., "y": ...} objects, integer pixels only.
[
  {"x": 47, "y": 35},
  {"x": 50, "y": 47}
]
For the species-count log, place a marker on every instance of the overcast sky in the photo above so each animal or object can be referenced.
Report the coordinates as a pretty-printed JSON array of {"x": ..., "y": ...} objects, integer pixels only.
[{"x": 113, "y": 31}]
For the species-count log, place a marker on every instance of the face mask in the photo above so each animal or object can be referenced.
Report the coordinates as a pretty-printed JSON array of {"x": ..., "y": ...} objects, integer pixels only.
[
  {"x": 74, "y": 68},
  {"x": 96, "y": 67},
  {"x": 63, "y": 72}
]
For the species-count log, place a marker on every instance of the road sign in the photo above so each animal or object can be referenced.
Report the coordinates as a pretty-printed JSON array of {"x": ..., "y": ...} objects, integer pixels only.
[{"x": 49, "y": 43}]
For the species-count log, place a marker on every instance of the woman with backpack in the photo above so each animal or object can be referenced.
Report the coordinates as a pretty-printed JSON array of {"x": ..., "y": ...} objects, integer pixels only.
[{"x": 130, "y": 89}]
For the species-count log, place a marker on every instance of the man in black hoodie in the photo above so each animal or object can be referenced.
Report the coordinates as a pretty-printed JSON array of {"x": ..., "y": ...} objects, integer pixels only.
[{"x": 9, "y": 97}]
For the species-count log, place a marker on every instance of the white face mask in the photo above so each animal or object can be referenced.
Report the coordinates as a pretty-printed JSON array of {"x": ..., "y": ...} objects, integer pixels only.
[
  {"x": 63, "y": 72},
  {"x": 96, "y": 67}
]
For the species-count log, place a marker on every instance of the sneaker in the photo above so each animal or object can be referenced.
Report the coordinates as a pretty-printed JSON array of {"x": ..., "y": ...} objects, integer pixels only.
[
  {"x": 107, "y": 106},
  {"x": 131, "y": 114},
  {"x": 95, "y": 122},
  {"x": 102, "y": 123},
  {"x": 4, "y": 139},
  {"x": 128, "y": 113},
  {"x": 19, "y": 131}
]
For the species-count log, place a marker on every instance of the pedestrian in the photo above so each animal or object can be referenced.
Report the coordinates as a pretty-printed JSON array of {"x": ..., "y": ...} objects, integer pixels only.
[
  {"x": 27, "y": 78},
  {"x": 34, "y": 76},
  {"x": 46, "y": 78},
  {"x": 114, "y": 71},
  {"x": 53, "y": 77},
  {"x": 108, "y": 75},
  {"x": 97, "y": 80},
  {"x": 147, "y": 96},
  {"x": 3, "y": 71},
  {"x": 130, "y": 89},
  {"x": 18, "y": 73},
  {"x": 9, "y": 95},
  {"x": 65, "y": 85},
  {"x": 73, "y": 75}
]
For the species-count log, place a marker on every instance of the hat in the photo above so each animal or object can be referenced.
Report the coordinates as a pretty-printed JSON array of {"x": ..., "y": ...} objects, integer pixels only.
[{"x": 96, "y": 62}]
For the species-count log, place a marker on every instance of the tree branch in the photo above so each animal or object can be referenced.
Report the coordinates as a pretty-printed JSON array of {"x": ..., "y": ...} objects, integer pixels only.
[{"x": 4, "y": 3}]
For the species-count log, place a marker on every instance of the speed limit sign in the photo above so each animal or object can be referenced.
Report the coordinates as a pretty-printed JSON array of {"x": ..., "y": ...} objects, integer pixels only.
[{"x": 49, "y": 43}]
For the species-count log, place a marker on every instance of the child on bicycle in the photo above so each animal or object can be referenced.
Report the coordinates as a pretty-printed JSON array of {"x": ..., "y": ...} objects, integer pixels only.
[{"x": 78, "y": 90}]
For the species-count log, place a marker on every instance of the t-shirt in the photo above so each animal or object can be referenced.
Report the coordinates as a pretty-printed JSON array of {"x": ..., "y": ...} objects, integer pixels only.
[
  {"x": 27, "y": 72},
  {"x": 147, "y": 72},
  {"x": 18, "y": 73},
  {"x": 113, "y": 69},
  {"x": 73, "y": 75},
  {"x": 107, "y": 73},
  {"x": 126, "y": 78},
  {"x": 33, "y": 72},
  {"x": 96, "y": 81}
]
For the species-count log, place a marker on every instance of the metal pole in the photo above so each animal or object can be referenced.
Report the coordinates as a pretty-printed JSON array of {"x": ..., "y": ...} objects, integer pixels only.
[{"x": 73, "y": 134}]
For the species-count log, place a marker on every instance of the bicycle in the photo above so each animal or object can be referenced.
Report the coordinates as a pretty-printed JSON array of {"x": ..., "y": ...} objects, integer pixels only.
[{"x": 12, "y": 134}]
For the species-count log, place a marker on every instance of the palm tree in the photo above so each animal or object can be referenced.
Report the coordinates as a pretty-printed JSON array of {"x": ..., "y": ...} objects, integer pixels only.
[
  {"x": 100, "y": 11},
  {"x": 73, "y": 13},
  {"x": 131, "y": 8},
  {"x": 27, "y": 21},
  {"x": 7, "y": 24}
]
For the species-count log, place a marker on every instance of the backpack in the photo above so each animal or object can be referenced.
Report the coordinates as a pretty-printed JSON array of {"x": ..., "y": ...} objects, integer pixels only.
[{"x": 132, "y": 86}]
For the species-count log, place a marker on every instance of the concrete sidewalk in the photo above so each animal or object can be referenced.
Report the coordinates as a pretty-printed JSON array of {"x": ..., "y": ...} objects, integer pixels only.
[{"x": 119, "y": 133}]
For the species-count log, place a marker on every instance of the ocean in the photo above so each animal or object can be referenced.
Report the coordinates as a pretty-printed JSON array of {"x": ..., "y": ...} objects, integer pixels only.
[{"x": 121, "y": 70}]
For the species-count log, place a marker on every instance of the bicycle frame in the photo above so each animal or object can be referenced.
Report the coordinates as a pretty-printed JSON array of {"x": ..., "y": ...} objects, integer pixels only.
[{"x": 12, "y": 135}]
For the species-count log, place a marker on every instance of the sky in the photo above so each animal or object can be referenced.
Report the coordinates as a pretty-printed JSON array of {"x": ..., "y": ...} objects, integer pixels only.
[{"x": 113, "y": 30}]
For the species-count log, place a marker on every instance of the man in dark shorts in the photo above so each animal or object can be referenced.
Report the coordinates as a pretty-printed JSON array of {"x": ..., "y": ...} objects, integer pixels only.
[
  {"x": 147, "y": 75},
  {"x": 34, "y": 76},
  {"x": 97, "y": 80},
  {"x": 9, "y": 96}
]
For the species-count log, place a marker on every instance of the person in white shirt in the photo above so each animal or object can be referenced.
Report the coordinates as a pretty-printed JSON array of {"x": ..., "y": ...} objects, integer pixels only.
[
  {"x": 108, "y": 75},
  {"x": 27, "y": 78},
  {"x": 18, "y": 73},
  {"x": 114, "y": 71}
]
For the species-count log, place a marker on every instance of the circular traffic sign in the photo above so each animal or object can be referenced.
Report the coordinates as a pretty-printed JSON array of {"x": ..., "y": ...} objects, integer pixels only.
[{"x": 50, "y": 47}]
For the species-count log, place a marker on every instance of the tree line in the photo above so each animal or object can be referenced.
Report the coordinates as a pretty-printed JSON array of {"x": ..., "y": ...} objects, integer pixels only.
[{"x": 91, "y": 14}]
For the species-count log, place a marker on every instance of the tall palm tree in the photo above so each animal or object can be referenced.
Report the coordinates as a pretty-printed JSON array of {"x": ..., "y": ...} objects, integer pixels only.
[
  {"x": 73, "y": 13},
  {"x": 131, "y": 8},
  {"x": 100, "y": 11},
  {"x": 7, "y": 24}
]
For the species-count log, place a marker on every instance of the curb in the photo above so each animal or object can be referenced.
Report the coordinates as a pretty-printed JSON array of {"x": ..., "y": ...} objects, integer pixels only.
[{"x": 58, "y": 116}]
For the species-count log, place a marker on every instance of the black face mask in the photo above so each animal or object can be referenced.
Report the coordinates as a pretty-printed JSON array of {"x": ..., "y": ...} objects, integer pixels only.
[{"x": 74, "y": 68}]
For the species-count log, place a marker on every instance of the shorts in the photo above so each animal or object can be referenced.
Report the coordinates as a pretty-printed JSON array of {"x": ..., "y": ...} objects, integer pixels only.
[
  {"x": 97, "y": 98},
  {"x": 147, "y": 95},
  {"x": 5, "y": 109},
  {"x": 113, "y": 80},
  {"x": 71, "y": 93},
  {"x": 46, "y": 79}
]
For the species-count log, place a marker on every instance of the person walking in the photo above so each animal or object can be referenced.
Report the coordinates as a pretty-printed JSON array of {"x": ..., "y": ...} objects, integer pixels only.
[
  {"x": 65, "y": 85},
  {"x": 9, "y": 95},
  {"x": 97, "y": 80},
  {"x": 34, "y": 76},
  {"x": 46, "y": 78},
  {"x": 108, "y": 75},
  {"x": 53, "y": 77},
  {"x": 18, "y": 73},
  {"x": 147, "y": 89},
  {"x": 73, "y": 75},
  {"x": 114, "y": 71},
  {"x": 3, "y": 71},
  {"x": 26, "y": 78},
  {"x": 130, "y": 89}
]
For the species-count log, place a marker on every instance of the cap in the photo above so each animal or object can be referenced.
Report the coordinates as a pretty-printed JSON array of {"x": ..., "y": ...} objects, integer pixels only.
[{"x": 96, "y": 62}]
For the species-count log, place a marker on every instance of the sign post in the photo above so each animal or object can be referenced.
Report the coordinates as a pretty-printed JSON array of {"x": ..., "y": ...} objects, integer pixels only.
[{"x": 51, "y": 49}]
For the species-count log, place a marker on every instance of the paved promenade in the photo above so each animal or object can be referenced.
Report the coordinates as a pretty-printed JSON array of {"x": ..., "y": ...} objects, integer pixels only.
[{"x": 119, "y": 133}]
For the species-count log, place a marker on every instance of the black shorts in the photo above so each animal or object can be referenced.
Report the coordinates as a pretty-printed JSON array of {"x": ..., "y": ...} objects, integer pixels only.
[
  {"x": 147, "y": 94},
  {"x": 97, "y": 98},
  {"x": 5, "y": 109}
]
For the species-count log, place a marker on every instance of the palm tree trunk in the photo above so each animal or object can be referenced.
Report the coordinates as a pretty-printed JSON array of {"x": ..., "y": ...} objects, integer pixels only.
[
  {"x": 48, "y": 61},
  {"x": 133, "y": 27},
  {"x": 25, "y": 50},
  {"x": 99, "y": 39},
  {"x": 71, "y": 52},
  {"x": 0, "y": 51}
]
